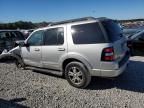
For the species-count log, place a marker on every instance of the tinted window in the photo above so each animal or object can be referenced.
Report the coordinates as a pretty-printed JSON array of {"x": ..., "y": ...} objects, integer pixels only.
[
  {"x": 113, "y": 30},
  {"x": 19, "y": 35},
  {"x": 54, "y": 36},
  {"x": 11, "y": 35},
  {"x": 6, "y": 35},
  {"x": 2, "y": 35},
  {"x": 35, "y": 39},
  {"x": 87, "y": 34}
]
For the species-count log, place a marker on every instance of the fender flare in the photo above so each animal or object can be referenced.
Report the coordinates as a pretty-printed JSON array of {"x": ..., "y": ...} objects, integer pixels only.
[{"x": 77, "y": 57}]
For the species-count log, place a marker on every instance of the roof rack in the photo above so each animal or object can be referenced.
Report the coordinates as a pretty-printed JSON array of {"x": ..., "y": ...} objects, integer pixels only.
[{"x": 72, "y": 20}]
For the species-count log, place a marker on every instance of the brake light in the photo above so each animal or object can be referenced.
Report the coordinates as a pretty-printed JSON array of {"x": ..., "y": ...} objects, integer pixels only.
[
  {"x": 129, "y": 44},
  {"x": 107, "y": 54}
]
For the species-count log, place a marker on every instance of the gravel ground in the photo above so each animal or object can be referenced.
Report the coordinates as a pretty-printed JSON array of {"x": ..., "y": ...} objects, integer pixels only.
[{"x": 25, "y": 88}]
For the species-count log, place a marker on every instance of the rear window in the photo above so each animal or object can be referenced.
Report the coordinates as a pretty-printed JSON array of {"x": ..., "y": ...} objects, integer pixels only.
[
  {"x": 87, "y": 34},
  {"x": 113, "y": 30}
]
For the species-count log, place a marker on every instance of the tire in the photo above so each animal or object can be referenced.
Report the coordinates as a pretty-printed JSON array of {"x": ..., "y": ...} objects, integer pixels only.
[
  {"x": 19, "y": 64},
  {"x": 77, "y": 75}
]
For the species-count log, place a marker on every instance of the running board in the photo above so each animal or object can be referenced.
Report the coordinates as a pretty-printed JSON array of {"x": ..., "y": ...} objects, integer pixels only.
[{"x": 55, "y": 72}]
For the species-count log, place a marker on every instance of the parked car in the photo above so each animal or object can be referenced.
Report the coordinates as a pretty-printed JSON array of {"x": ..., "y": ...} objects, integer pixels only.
[
  {"x": 78, "y": 49},
  {"x": 8, "y": 39},
  {"x": 136, "y": 44},
  {"x": 130, "y": 32}
]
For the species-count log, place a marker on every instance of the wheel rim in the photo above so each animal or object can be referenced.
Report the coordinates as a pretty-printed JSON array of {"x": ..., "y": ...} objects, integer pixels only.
[{"x": 75, "y": 75}]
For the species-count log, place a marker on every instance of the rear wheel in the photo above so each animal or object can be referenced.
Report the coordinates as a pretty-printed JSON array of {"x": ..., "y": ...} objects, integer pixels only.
[{"x": 77, "y": 75}]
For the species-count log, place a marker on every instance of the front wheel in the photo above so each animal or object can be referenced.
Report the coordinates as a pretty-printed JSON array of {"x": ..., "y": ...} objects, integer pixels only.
[
  {"x": 77, "y": 75},
  {"x": 19, "y": 64}
]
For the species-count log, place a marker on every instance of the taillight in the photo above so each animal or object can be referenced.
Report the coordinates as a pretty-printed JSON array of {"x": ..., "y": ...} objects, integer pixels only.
[
  {"x": 129, "y": 44},
  {"x": 107, "y": 54}
]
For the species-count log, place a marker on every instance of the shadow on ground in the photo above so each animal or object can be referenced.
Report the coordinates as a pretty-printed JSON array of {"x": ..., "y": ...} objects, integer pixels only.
[
  {"x": 12, "y": 103},
  {"x": 8, "y": 60},
  {"x": 132, "y": 79}
]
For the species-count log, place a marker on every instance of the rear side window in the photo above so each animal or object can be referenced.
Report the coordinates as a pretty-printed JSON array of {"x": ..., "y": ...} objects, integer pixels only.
[
  {"x": 87, "y": 34},
  {"x": 54, "y": 36},
  {"x": 113, "y": 30}
]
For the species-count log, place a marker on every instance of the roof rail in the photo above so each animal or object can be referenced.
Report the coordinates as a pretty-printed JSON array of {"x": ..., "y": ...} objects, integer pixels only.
[{"x": 72, "y": 20}]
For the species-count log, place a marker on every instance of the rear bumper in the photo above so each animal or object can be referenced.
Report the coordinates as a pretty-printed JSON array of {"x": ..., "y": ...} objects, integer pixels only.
[
  {"x": 114, "y": 73},
  {"x": 112, "y": 69},
  {"x": 109, "y": 73}
]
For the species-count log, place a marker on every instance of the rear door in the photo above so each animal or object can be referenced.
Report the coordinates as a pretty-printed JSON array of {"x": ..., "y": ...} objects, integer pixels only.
[
  {"x": 115, "y": 36},
  {"x": 54, "y": 47}
]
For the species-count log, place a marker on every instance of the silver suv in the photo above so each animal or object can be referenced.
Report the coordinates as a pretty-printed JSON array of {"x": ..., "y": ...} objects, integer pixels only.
[{"x": 78, "y": 49}]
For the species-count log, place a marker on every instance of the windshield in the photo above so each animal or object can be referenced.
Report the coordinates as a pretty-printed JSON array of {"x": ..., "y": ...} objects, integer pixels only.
[{"x": 113, "y": 30}]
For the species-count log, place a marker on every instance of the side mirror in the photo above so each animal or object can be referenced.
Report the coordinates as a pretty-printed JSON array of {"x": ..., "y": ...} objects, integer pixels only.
[
  {"x": 21, "y": 44},
  {"x": 26, "y": 44}
]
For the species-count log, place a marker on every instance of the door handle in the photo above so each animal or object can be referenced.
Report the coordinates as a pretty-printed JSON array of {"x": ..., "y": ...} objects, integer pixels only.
[
  {"x": 37, "y": 49},
  {"x": 61, "y": 49}
]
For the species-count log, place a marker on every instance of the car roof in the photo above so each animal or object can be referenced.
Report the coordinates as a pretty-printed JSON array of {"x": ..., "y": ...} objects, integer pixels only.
[
  {"x": 74, "y": 21},
  {"x": 77, "y": 20}
]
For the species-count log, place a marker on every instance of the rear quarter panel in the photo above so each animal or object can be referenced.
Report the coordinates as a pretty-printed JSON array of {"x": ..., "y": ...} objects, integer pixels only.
[{"x": 90, "y": 52}]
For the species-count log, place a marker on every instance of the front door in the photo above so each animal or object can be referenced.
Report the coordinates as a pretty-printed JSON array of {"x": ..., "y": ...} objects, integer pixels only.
[{"x": 32, "y": 52}]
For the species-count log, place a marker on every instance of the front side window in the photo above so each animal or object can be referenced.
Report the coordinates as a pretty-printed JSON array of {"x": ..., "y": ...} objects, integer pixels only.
[
  {"x": 87, "y": 34},
  {"x": 54, "y": 36},
  {"x": 36, "y": 39}
]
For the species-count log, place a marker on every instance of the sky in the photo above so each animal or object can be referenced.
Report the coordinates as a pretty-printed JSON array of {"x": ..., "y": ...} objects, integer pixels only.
[{"x": 57, "y": 10}]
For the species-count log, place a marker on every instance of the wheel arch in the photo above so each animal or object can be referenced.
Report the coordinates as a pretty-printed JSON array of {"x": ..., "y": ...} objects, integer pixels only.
[{"x": 71, "y": 59}]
